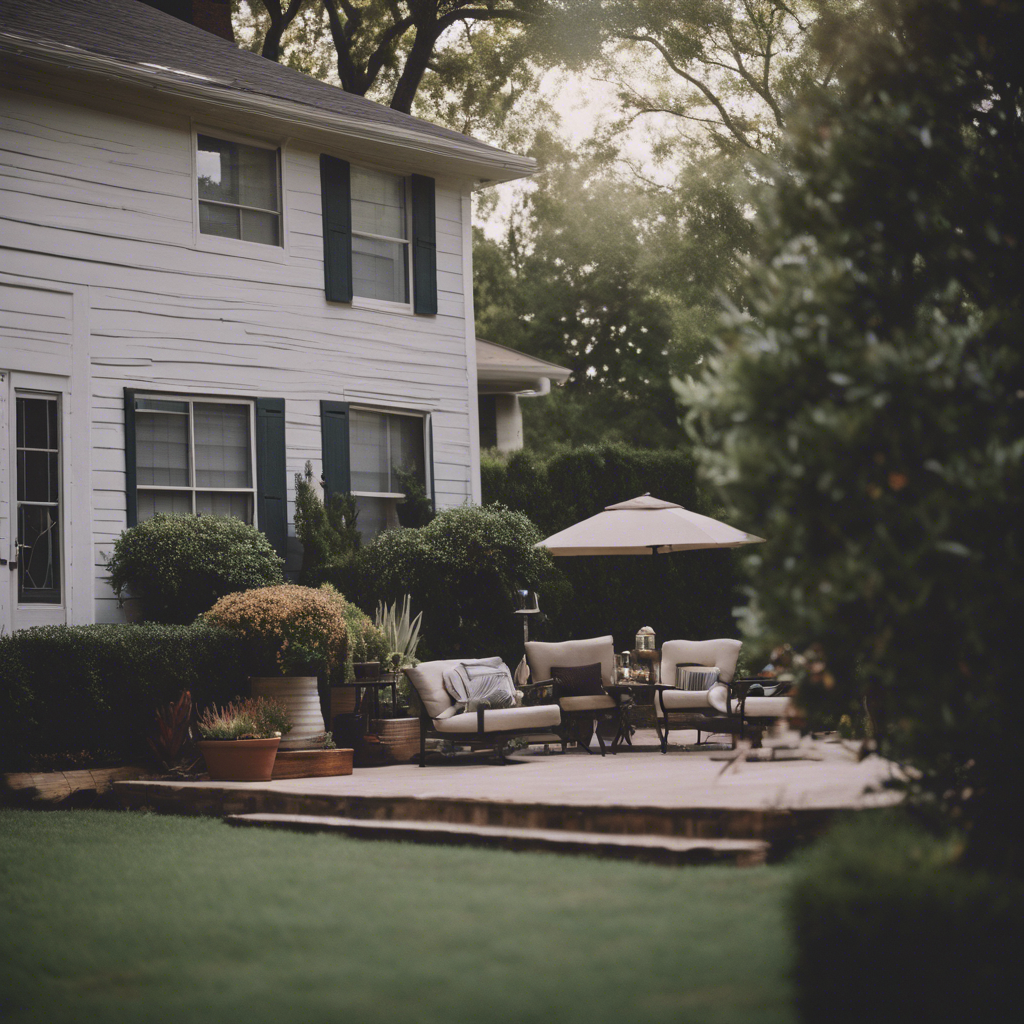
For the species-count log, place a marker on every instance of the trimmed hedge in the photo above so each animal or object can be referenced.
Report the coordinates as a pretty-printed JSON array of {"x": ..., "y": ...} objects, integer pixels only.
[
  {"x": 688, "y": 595},
  {"x": 179, "y": 565},
  {"x": 462, "y": 570},
  {"x": 889, "y": 929},
  {"x": 76, "y": 696}
]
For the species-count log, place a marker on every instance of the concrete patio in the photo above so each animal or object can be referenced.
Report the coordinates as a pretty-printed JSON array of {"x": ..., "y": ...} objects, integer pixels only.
[{"x": 537, "y": 800}]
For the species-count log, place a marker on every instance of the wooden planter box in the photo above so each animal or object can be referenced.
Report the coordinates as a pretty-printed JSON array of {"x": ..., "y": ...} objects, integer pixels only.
[
  {"x": 308, "y": 764},
  {"x": 400, "y": 737}
]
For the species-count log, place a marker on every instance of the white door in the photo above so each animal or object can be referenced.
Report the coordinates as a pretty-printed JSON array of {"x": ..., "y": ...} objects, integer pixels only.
[{"x": 33, "y": 516}]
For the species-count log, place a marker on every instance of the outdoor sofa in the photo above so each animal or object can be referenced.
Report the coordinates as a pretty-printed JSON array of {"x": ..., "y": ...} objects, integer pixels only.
[{"x": 483, "y": 728}]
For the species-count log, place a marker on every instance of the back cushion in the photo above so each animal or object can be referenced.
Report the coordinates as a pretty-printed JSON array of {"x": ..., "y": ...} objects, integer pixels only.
[
  {"x": 578, "y": 680},
  {"x": 542, "y": 657},
  {"x": 720, "y": 654},
  {"x": 428, "y": 680}
]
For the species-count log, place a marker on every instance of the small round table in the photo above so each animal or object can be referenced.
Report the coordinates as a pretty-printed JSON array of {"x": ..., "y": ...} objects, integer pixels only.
[{"x": 624, "y": 694}]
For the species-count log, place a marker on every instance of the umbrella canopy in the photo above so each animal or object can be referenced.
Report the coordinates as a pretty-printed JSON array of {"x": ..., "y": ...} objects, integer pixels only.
[{"x": 645, "y": 526}]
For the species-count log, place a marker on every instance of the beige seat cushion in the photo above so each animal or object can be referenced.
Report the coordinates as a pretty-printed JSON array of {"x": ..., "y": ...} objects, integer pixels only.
[
  {"x": 766, "y": 707},
  {"x": 428, "y": 680},
  {"x": 721, "y": 654},
  {"x": 542, "y": 657},
  {"x": 541, "y": 716},
  {"x": 588, "y": 702},
  {"x": 714, "y": 700}
]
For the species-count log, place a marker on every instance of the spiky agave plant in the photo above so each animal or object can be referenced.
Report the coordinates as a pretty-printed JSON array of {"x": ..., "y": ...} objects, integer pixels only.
[{"x": 401, "y": 629}]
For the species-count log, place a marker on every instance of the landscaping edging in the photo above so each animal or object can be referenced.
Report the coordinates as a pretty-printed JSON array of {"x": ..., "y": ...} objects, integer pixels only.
[{"x": 53, "y": 788}]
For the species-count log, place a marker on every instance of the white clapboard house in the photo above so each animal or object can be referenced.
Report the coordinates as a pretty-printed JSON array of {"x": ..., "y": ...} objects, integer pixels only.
[{"x": 213, "y": 269}]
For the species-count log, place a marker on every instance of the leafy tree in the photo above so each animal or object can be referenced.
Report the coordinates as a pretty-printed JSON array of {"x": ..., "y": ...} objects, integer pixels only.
[{"x": 867, "y": 417}]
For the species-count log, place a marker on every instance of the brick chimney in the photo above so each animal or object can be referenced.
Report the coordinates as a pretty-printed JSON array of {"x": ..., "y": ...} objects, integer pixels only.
[{"x": 212, "y": 15}]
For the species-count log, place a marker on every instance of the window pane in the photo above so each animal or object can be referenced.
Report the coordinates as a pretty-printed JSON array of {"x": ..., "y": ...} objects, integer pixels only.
[
  {"x": 219, "y": 220},
  {"x": 407, "y": 449},
  {"x": 161, "y": 449},
  {"x": 159, "y": 405},
  {"x": 168, "y": 502},
  {"x": 257, "y": 177},
  {"x": 260, "y": 227},
  {"x": 369, "y": 451},
  {"x": 218, "y": 503},
  {"x": 374, "y": 516},
  {"x": 37, "y": 423},
  {"x": 379, "y": 269},
  {"x": 378, "y": 203},
  {"x": 217, "y": 169},
  {"x": 223, "y": 451}
]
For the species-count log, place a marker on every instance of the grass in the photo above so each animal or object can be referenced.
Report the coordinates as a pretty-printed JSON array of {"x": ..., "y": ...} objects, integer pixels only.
[{"x": 127, "y": 917}]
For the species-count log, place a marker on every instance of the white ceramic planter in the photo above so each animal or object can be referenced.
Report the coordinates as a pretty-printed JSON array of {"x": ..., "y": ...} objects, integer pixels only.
[{"x": 301, "y": 700}]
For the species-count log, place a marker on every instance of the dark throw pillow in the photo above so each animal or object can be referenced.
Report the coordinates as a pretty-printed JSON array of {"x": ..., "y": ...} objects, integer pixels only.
[{"x": 579, "y": 680}]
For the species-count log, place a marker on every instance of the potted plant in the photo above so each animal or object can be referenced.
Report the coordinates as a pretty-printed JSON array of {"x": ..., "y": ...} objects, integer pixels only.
[
  {"x": 400, "y": 735},
  {"x": 294, "y": 632},
  {"x": 240, "y": 741}
]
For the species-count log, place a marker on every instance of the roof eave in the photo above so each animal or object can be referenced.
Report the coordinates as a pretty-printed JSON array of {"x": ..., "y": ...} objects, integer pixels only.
[{"x": 469, "y": 160}]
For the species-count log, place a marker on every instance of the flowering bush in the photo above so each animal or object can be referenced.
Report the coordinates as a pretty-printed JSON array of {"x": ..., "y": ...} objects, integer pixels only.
[
  {"x": 257, "y": 718},
  {"x": 366, "y": 642},
  {"x": 291, "y": 628}
]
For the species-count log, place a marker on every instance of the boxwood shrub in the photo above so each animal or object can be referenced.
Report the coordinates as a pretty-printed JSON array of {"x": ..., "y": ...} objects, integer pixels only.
[
  {"x": 179, "y": 565},
  {"x": 77, "y": 696},
  {"x": 888, "y": 928}
]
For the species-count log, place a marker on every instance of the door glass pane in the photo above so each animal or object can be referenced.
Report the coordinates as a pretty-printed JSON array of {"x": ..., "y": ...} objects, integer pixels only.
[
  {"x": 369, "y": 452},
  {"x": 219, "y": 503},
  {"x": 223, "y": 450},
  {"x": 378, "y": 203},
  {"x": 37, "y": 493},
  {"x": 379, "y": 269},
  {"x": 177, "y": 503},
  {"x": 407, "y": 449},
  {"x": 161, "y": 448},
  {"x": 219, "y": 220},
  {"x": 39, "y": 554}
]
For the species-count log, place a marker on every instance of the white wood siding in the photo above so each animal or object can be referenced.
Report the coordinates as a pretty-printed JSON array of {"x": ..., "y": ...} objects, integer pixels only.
[{"x": 97, "y": 193}]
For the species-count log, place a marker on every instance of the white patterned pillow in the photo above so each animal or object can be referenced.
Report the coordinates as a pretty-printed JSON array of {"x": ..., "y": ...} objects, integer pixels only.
[{"x": 694, "y": 677}]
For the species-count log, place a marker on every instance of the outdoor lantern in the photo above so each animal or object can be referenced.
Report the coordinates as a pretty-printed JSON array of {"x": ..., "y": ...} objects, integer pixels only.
[
  {"x": 645, "y": 639},
  {"x": 526, "y": 604}
]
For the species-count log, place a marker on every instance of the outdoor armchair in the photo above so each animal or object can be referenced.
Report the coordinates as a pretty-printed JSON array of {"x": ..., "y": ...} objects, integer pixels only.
[
  {"x": 712, "y": 710},
  {"x": 485, "y": 727},
  {"x": 543, "y": 658}
]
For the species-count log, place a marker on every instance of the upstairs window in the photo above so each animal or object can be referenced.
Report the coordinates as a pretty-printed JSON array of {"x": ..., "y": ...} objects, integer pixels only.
[
  {"x": 387, "y": 453},
  {"x": 239, "y": 191},
  {"x": 380, "y": 236}
]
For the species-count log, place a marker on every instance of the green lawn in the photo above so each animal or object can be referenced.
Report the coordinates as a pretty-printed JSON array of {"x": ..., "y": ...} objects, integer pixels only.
[{"x": 124, "y": 917}]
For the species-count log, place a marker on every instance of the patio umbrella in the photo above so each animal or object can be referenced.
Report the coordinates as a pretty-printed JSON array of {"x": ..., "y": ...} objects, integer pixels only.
[{"x": 645, "y": 526}]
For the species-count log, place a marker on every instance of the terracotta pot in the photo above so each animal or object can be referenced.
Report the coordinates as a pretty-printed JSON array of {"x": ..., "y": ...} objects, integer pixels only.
[
  {"x": 240, "y": 760},
  {"x": 301, "y": 700}
]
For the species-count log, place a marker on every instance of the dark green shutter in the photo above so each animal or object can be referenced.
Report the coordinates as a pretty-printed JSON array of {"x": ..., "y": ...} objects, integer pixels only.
[
  {"x": 424, "y": 245},
  {"x": 334, "y": 447},
  {"x": 271, "y": 473},
  {"x": 336, "y": 204},
  {"x": 131, "y": 494}
]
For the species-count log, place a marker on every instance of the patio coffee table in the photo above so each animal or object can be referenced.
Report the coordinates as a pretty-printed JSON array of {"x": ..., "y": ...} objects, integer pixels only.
[{"x": 624, "y": 694}]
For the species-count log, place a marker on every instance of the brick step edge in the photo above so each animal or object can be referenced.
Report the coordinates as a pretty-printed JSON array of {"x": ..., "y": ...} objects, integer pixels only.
[{"x": 651, "y": 849}]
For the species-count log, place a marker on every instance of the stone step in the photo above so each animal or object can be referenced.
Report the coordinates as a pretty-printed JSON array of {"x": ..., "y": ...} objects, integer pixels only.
[{"x": 650, "y": 848}]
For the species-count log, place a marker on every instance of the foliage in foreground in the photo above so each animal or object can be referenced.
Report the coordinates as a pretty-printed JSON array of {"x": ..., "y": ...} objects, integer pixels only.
[
  {"x": 78, "y": 696},
  {"x": 179, "y": 565},
  {"x": 889, "y": 929},
  {"x": 867, "y": 417}
]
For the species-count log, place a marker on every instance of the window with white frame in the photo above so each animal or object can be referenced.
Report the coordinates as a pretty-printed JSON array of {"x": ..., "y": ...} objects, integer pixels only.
[
  {"x": 239, "y": 190},
  {"x": 194, "y": 456},
  {"x": 387, "y": 454},
  {"x": 380, "y": 236}
]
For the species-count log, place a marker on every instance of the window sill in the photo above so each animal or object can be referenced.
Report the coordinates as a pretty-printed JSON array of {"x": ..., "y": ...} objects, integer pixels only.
[
  {"x": 382, "y": 305},
  {"x": 238, "y": 247}
]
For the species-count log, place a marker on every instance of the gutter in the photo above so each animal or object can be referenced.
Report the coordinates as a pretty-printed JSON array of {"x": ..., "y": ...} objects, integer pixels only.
[{"x": 500, "y": 166}]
